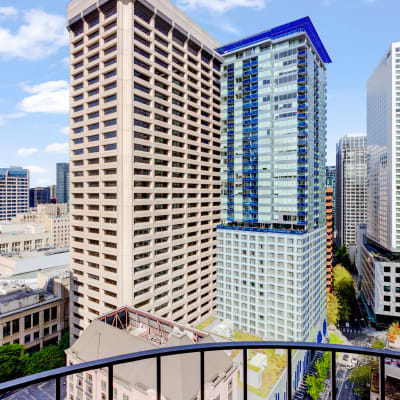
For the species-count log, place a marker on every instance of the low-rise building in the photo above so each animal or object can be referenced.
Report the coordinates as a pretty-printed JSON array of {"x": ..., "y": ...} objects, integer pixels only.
[
  {"x": 27, "y": 261},
  {"x": 380, "y": 283},
  {"x": 129, "y": 330},
  {"x": 55, "y": 220},
  {"x": 19, "y": 237},
  {"x": 34, "y": 317}
]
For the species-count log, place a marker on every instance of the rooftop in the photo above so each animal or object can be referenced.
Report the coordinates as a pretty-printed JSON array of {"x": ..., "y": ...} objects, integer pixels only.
[
  {"x": 300, "y": 25},
  {"x": 128, "y": 329}
]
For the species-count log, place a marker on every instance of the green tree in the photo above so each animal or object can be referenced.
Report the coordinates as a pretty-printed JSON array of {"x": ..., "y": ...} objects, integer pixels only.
[
  {"x": 49, "y": 357},
  {"x": 361, "y": 379},
  {"x": 378, "y": 344},
  {"x": 343, "y": 257},
  {"x": 64, "y": 341},
  {"x": 12, "y": 361},
  {"x": 335, "y": 339},
  {"x": 344, "y": 289},
  {"x": 315, "y": 385},
  {"x": 333, "y": 309}
]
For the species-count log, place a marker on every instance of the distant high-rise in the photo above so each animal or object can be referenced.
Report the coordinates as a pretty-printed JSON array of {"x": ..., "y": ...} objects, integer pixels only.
[
  {"x": 62, "y": 187},
  {"x": 39, "y": 195},
  {"x": 351, "y": 188},
  {"x": 14, "y": 192},
  {"x": 331, "y": 182},
  {"x": 379, "y": 258},
  {"x": 145, "y": 160},
  {"x": 271, "y": 265},
  {"x": 53, "y": 193}
]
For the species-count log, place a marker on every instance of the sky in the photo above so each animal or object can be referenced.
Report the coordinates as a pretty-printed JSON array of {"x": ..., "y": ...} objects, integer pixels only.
[{"x": 34, "y": 65}]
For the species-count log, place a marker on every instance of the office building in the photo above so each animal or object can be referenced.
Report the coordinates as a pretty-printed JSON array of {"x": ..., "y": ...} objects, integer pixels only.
[
  {"x": 14, "y": 192},
  {"x": 145, "y": 160},
  {"x": 128, "y": 330},
  {"x": 331, "y": 182},
  {"x": 17, "y": 237},
  {"x": 39, "y": 195},
  {"x": 329, "y": 238},
  {"x": 351, "y": 188},
  {"x": 63, "y": 183},
  {"x": 55, "y": 220},
  {"x": 34, "y": 317},
  {"x": 271, "y": 249},
  {"x": 380, "y": 253}
]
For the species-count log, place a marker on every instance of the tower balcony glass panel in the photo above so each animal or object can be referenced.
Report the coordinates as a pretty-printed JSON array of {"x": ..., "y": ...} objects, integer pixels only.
[
  {"x": 302, "y": 54},
  {"x": 302, "y": 124},
  {"x": 302, "y": 116},
  {"x": 302, "y": 98},
  {"x": 302, "y": 89},
  {"x": 302, "y": 71}
]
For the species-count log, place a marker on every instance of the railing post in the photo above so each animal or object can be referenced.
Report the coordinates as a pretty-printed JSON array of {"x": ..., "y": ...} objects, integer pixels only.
[
  {"x": 333, "y": 375},
  {"x": 201, "y": 375},
  {"x": 58, "y": 388},
  {"x": 110, "y": 382},
  {"x": 289, "y": 374},
  {"x": 158, "y": 378},
  {"x": 382, "y": 378},
  {"x": 244, "y": 374}
]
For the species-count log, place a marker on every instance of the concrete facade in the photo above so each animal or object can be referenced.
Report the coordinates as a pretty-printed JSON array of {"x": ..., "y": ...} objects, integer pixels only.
[
  {"x": 34, "y": 318},
  {"x": 351, "y": 188},
  {"x": 145, "y": 154}
]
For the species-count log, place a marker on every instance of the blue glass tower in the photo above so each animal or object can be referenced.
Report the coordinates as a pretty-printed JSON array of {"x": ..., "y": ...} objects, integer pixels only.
[
  {"x": 39, "y": 195},
  {"x": 271, "y": 270},
  {"x": 62, "y": 188}
]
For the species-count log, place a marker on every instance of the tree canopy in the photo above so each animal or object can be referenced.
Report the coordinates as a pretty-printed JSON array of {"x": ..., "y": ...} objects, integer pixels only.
[
  {"x": 361, "y": 379},
  {"x": 12, "y": 361},
  {"x": 333, "y": 309},
  {"x": 49, "y": 357},
  {"x": 343, "y": 257},
  {"x": 344, "y": 289}
]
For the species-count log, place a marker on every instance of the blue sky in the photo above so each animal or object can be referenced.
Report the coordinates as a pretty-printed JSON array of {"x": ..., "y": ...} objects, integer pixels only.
[{"x": 34, "y": 65}]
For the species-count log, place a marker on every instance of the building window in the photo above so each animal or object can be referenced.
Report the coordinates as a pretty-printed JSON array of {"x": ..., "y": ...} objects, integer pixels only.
[
  {"x": 27, "y": 339},
  {"x": 386, "y": 308},
  {"x": 54, "y": 329},
  {"x": 36, "y": 335},
  {"x": 6, "y": 329},
  {"x": 46, "y": 331},
  {"x": 15, "y": 326},
  {"x": 54, "y": 312},
  {"x": 46, "y": 314}
]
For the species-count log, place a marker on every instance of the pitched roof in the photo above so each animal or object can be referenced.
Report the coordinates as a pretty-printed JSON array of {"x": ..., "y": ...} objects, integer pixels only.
[{"x": 101, "y": 340}]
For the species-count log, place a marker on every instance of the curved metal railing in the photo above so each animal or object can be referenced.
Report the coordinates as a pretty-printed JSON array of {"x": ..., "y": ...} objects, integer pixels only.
[{"x": 110, "y": 362}]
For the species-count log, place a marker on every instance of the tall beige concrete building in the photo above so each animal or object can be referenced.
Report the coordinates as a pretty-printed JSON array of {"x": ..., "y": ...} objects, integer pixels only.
[{"x": 145, "y": 160}]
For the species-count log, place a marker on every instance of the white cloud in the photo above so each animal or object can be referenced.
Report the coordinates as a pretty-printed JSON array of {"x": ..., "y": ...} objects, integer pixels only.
[
  {"x": 35, "y": 169},
  {"x": 65, "y": 130},
  {"x": 48, "y": 97},
  {"x": 58, "y": 148},
  {"x": 8, "y": 11},
  {"x": 228, "y": 27},
  {"x": 22, "y": 152},
  {"x": 43, "y": 181},
  {"x": 5, "y": 117},
  {"x": 220, "y": 5},
  {"x": 39, "y": 35}
]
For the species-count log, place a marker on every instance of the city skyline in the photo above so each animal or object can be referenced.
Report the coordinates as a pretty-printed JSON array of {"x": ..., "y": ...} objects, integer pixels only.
[{"x": 35, "y": 110}]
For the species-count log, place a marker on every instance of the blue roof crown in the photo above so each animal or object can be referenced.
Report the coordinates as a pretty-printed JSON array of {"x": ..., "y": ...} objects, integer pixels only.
[{"x": 300, "y": 25}]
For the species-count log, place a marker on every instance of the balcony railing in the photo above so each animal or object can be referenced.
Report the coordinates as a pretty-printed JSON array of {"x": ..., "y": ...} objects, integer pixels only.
[{"x": 157, "y": 354}]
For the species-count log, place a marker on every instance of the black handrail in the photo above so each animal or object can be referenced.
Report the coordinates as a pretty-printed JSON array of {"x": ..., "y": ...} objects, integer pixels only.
[{"x": 110, "y": 362}]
